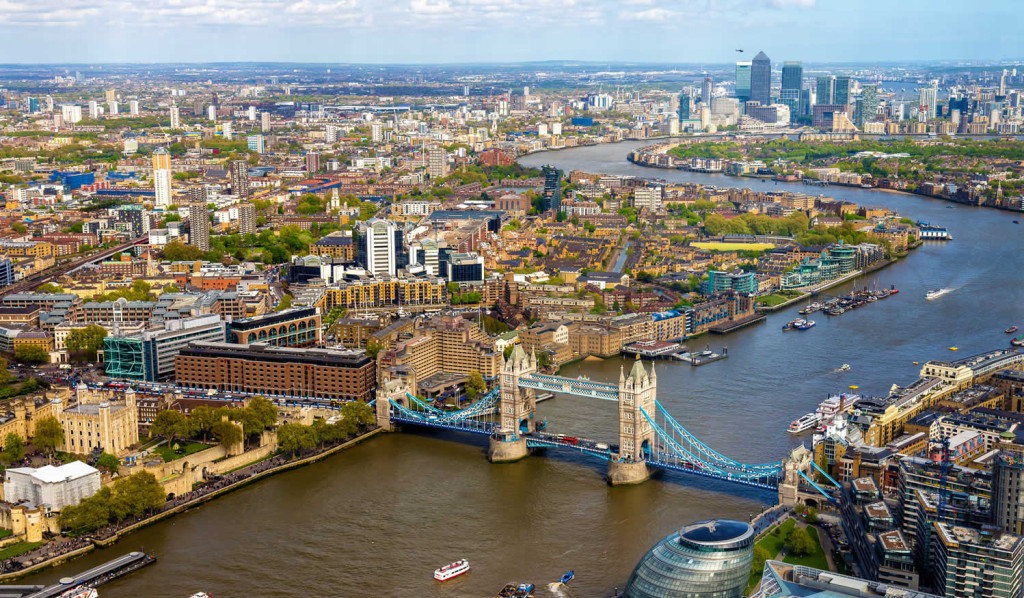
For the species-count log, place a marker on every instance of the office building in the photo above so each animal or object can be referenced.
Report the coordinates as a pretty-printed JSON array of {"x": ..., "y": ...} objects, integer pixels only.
[
  {"x": 465, "y": 267},
  {"x": 246, "y": 218},
  {"x": 685, "y": 106},
  {"x": 277, "y": 371},
  {"x": 150, "y": 355},
  {"x": 238, "y": 173},
  {"x": 51, "y": 487},
  {"x": 198, "y": 218},
  {"x": 437, "y": 162},
  {"x": 825, "y": 90},
  {"x": 782, "y": 580},
  {"x": 867, "y": 106},
  {"x": 162, "y": 177},
  {"x": 743, "y": 81},
  {"x": 293, "y": 327},
  {"x": 175, "y": 117},
  {"x": 761, "y": 79},
  {"x": 842, "y": 92},
  {"x": 379, "y": 247},
  {"x": 256, "y": 143},
  {"x": 552, "y": 189},
  {"x": 707, "y": 88},
  {"x": 708, "y": 559},
  {"x": 792, "y": 84},
  {"x": 970, "y": 562}
]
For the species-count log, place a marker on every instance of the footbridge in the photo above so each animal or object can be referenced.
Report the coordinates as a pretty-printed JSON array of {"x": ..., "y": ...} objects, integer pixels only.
[{"x": 648, "y": 435}]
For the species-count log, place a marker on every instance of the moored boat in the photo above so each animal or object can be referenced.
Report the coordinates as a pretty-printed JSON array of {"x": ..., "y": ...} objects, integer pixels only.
[
  {"x": 803, "y": 424},
  {"x": 1011, "y": 330},
  {"x": 804, "y": 325},
  {"x": 1018, "y": 342},
  {"x": 451, "y": 570}
]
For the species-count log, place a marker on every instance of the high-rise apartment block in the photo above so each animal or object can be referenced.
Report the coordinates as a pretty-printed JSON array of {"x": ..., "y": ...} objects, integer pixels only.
[
  {"x": 552, "y": 189},
  {"x": 265, "y": 122},
  {"x": 238, "y": 173},
  {"x": 437, "y": 162},
  {"x": 175, "y": 117},
  {"x": 246, "y": 218},
  {"x": 198, "y": 218},
  {"x": 312, "y": 162},
  {"x": 379, "y": 247},
  {"x": 162, "y": 177}
]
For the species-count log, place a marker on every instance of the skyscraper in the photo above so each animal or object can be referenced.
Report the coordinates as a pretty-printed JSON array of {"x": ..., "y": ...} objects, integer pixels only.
[
  {"x": 265, "y": 122},
  {"x": 684, "y": 106},
  {"x": 826, "y": 90},
  {"x": 175, "y": 118},
  {"x": 238, "y": 172},
  {"x": 162, "y": 177},
  {"x": 437, "y": 162},
  {"x": 246, "y": 218},
  {"x": 743, "y": 81},
  {"x": 867, "y": 107},
  {"x": 706, "y": 89},
  {"x": 133, "y": 107},
  {"x": 379, "y": 247},
  {"x": 552, "y": 189},
  {"x": 792, "y": 84},
  {"x": 198, "y": 218},
  {"x": 761, "y": 79},
  {"x": 841, "y": 95},
  {"x": 928, "y": 99}
]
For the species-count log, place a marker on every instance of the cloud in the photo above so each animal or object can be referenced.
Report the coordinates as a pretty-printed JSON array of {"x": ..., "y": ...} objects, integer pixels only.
[
  {"x": 651, "y": 14},
  {"x": 797, "y": 3},
  {"x": 430, "y": 7}
]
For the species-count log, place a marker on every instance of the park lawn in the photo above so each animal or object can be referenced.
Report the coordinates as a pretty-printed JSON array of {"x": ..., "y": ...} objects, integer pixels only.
[
  {"x": 773, "y": 545},
  {"x": 190, "y": 448},
  {"x": 5, "y": 532},
  {"x": 18, "y": 549},
  {"x": 816, "y": 559}
]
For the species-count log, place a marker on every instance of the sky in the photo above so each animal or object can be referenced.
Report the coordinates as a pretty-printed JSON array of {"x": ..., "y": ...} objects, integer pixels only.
[{"x": 460, "y": 31}]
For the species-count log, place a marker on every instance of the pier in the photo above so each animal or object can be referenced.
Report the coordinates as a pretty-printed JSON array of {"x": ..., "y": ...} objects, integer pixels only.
[{"x": 92, "y": 578}]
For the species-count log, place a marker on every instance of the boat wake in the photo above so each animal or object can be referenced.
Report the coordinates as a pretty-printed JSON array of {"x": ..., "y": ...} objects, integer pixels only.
[
  {"x": 558, "y": 588},
  {"x": 935, "y": 294}
]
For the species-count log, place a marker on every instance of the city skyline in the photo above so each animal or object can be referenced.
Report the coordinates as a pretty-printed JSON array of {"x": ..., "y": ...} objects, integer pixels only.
[{"x": 449, "y": 31}]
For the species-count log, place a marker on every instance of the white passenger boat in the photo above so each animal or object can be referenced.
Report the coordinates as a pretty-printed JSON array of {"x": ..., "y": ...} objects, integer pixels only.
[
  {"x": 804, "y": 423},
  {"x": 451, "y": 570}
]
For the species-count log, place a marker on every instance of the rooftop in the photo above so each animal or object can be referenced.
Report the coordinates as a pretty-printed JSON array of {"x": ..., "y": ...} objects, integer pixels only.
[{"x": 49, "y": 474}]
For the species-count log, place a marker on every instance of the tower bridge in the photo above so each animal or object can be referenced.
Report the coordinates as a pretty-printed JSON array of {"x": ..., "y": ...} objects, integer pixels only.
[{"x": 648, "y": 436}]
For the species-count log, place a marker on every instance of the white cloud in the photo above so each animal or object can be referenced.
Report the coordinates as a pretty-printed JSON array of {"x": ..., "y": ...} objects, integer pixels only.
[
  {"x": 798, "y": 3},
  {"x": 430, "y": 7},
  {"x": 651, "y": 14}
]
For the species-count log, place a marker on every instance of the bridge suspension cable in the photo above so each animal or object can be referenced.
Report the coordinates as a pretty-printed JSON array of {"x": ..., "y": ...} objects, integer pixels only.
[{"x": 709, "y": 453}]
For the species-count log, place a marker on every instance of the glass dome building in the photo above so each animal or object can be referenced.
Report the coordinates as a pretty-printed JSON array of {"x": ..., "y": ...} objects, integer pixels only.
[{"x": 707, "y": 559}]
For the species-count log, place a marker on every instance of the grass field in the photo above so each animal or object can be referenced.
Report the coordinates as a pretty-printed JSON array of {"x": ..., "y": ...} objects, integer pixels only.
[
  {"x": 189, "y": 448},
  {"x": 718, "y": 246},
  {"x": 816, "y": 559},
  {"x": 772, "y": 544},
  {"x": 777, "y": 298},
  {"x": 18, "y": 549}
]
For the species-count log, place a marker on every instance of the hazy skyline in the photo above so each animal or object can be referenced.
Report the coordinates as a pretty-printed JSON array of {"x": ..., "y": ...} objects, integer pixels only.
[{"x": 426, "y": 31}]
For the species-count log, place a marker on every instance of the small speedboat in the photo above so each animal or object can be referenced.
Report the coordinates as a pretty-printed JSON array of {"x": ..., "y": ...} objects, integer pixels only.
[
  {"x": 451, "y": 570},
  {"x": 844, "y": 368},
  {"x": 567, "y": 577},
  {"x": 1011, "y": 330}
]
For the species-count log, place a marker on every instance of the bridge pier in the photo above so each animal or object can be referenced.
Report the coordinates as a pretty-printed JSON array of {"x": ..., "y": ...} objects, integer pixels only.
[
  {"x": 624, "y": 473},
  {"x": 507, "y": 449}
]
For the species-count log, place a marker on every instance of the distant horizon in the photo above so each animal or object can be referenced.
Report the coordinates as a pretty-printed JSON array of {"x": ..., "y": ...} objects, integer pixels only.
[{"x": 444, "y": 32}]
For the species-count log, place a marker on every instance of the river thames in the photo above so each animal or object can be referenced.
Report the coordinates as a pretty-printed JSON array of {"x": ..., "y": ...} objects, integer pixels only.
[{"x": 377, "y": 519}]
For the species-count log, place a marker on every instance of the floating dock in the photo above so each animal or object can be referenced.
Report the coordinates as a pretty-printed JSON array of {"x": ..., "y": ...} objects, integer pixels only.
[
  {"x": 702, "y": 357},
  {"x": 652, "y": 349},
  {"x": 92, "y": 578}
]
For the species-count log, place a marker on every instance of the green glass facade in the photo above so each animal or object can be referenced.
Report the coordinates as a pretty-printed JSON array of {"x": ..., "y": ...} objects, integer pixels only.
[{"x": 708, "y": 559}]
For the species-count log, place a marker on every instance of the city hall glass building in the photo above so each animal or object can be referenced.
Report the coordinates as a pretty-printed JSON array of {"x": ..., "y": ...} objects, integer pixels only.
[{"x": 707, "y": 559}]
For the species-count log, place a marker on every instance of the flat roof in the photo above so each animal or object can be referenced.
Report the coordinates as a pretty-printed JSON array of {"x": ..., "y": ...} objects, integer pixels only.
[{"x": 265, "y": 352}]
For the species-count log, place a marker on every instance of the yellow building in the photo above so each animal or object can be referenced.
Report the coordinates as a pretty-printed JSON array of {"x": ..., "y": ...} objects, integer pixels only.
[{"x": 99, "y": 421}]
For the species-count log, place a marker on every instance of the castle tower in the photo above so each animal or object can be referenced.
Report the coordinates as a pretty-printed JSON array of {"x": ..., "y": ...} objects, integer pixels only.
[
  {"x": 637, "y": 393},
  {"x": 516, "y": 406}
]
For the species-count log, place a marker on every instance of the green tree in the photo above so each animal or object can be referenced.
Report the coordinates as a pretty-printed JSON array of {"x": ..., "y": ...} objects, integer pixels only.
[
  {"x": 285, "y": 303},
  {"x": 31, "y": 354},
  {"x": 265, "y": 412},
  {"x": 359, "y": 414},
  {"x": 49, "y": 288},
  {"x": 761, "y": 556},
  {"x": 14, "y": 448},
  {"x": 170, "y": 425},
  {"x": 799, "y": 542},
  {"x": 86, "y": 341},
  {"x": 373, "y": 347},
  {"x": 293, "y": 438},
  {"x": 475, "y": 385},
  {"x": 715, "y": 224},
  {"x": 5, "y": 374},
  {"x": 226, "y": 433},
  {"x": 202, "y": 419},
  {"x": 19, "y": 228},
  {"x": 176, "y": 251},
  {"x": 49, "y": 435},
  {"x": 108, "y": 462},
  {"x": 138, "y": 494},
  {"x": 812, "y": 515}
]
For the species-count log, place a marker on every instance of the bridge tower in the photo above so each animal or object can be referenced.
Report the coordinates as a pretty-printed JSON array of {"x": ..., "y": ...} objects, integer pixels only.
[
  {"x": 390, "y": 391},
  {"x": 637, "y": 392},
  {"x": 516, "y": 407}
]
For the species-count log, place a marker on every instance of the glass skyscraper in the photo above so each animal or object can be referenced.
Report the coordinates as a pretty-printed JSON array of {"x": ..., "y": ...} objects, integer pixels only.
[
  {"x": 761, "y": 79},
  {"x": 841, "y": 95},
  {"x": 867, "y": 107},
  {"x": 743, "y": 81},
  {"x": 826, "y": 90},
  {"x": 792, "y": 83}
]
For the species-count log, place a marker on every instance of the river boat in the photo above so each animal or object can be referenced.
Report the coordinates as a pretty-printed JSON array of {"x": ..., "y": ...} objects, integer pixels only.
[
  {"x": 1011, "y": 329},
  {"x": 935, "y": 293},
  {"x": 792, "y": 324},
  {"x": 451, "y": 570},
  {"x": 844, "y": 368},
  {"x": 201, "y": 595},
  {"x": 806, "y": 422},
  {"x": 833, "y": 405},
  {"x": 810, "y": 309},
  {"x": 81, "y": 593},
  {"x": 1016, "y": 221},
  {"x": 569, "y": 575},
  {"x": 805, "y": 325},
  {"x": 1018, "y": 342},
  {"x": 513, "y": 590}
]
